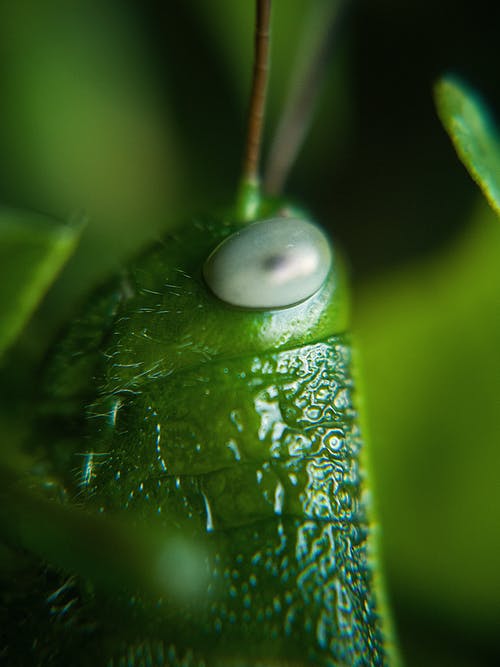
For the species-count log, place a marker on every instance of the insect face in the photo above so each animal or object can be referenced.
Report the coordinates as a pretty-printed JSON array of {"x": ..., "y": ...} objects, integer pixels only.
[
  {"x": 239, "y": 424},
  {"x": 171, "y": 320},
  {"x": 210, "y": 389}
]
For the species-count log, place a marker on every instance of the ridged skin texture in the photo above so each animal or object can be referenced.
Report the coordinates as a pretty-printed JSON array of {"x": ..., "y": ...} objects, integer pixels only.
[
  {"x": 282, "y": 497},
  {"x": 241, "y": 425}
]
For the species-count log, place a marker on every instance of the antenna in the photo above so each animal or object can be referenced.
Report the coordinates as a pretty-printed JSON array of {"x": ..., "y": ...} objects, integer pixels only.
[
  {"x": 304, "y": 89},
  {"x": 249, "y": 196}
]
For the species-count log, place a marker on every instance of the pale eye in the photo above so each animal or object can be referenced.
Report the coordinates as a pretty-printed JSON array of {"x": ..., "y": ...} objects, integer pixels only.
[{"x": 270, "y": 264}]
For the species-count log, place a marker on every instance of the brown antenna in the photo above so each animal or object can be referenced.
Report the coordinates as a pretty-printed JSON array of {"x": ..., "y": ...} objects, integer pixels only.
[{"x": 258, "y": 94}]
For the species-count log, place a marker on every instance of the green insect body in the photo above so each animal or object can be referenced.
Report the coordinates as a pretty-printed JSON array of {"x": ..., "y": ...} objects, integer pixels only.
[
  {"x": 199, "y": 422},
  {"x": 240, "y": 425}
]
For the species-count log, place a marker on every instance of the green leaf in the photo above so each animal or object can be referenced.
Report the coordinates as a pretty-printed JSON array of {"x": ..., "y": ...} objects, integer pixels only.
[
  {"x": 78, "y": 541},
  {"x": 429, "y": 340},
  {"x": 33, "y": 248},
  {"x": 468, "y": 122}
]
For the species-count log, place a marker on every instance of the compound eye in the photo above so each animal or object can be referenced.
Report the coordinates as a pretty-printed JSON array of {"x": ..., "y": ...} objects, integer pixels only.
[{"x": 271, "y": 264}]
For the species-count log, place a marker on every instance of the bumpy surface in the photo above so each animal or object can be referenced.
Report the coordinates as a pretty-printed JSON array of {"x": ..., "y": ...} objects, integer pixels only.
[
  {"x": 266, "y": 461},
  {"x": 278, "y": 485},
  {"x": 241, "y": 428}
]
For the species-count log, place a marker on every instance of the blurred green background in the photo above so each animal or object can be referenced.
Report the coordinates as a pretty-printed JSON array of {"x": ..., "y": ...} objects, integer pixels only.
[{"x": 134, "y": 112}]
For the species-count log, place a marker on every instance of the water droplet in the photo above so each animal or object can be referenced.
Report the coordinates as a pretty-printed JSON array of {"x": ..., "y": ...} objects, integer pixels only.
[
  {"x": 279, "y": 498},
  {"x": 233, "y": 446}
]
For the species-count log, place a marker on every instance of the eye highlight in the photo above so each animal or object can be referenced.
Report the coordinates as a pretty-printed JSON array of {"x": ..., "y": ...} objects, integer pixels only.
[{"x": 270, "y": 264}]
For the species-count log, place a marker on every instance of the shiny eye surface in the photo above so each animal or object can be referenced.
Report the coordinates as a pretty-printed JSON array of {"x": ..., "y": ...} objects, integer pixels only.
[{"x": 271, "y": 264}]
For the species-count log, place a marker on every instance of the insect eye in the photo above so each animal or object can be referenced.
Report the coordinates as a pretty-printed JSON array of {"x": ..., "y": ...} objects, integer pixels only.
[{"x": 271, "y": 264}]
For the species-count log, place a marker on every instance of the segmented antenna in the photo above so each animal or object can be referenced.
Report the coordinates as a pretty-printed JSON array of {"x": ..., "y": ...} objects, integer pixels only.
[{"x": 249, "y": 193}]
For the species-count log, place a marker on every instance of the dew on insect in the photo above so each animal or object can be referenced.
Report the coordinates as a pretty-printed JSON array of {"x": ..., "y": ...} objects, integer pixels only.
[
  {"x": 238, "y": 428},
  {"x": 233, "y": 446},
  {"x": 279, "y": 498}
]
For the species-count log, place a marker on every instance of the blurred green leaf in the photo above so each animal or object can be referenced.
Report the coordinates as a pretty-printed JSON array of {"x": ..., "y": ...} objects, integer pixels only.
[
  {"x": 467, "y": 121},
  {"x": 86, "y": 124},
  {"x": 33, "y": 249},
  {"x": 82, "y": 542},
  {"x": 429, "y": 337}
]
